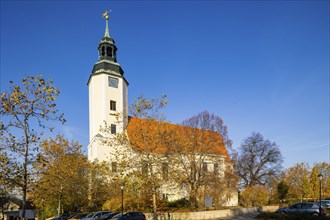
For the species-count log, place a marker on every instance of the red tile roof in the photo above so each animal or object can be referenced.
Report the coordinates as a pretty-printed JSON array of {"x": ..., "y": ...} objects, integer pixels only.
[{"x": 160, "y": 137}]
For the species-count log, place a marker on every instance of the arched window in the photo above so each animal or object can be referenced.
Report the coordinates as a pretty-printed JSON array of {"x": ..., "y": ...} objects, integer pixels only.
[
  {"x": 109, "y": 51},
  {"x": 102, "y": 51}
]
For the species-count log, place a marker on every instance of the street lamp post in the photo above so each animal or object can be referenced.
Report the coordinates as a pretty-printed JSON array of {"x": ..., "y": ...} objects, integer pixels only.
[
  {"x": 122, "y": 198},
  {"x": 320, "y": 176}
]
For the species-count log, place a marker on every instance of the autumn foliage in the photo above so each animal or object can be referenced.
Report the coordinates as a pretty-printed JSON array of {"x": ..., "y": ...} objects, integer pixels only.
[
  {"x": 26, "y": 111},
  {"x": 172, "y": 136},
  {"x": 254, "y": 196},
  {"x": 186, "y": 148}
]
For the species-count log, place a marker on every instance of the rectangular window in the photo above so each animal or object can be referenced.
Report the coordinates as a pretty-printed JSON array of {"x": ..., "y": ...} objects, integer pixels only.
[
  {"x": 113, "y": 129},
  {"x": 145, "y": 169},
  {"x": 193, "y": 166},
  {"x": 165, "y": 197},
  {"x": 114, "y": 167},
  {"x": 216, "y": 168},
  {"x": 112, "y": 105},
  {"x": 113, "y": 82},
  {"x": 165, "y": 171},
  {"x": 204, "y": 167},
  {"x": 193, "y": 170}
]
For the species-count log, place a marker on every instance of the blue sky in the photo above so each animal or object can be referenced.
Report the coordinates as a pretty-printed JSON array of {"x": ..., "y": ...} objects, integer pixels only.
[{"x": 260, "y": 65}]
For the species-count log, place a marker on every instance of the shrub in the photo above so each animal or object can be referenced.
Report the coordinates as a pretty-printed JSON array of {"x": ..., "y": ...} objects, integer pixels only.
[
  {"x": 181, "y": 203},
  {"x": 254, "y": 196}
]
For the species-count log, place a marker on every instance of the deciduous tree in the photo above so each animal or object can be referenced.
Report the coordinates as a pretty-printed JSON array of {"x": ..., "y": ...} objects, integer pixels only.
[
  {"x": 145, "y": 136},
  {"x": 102, "y": 186},
  {"x": 297, "y": 178},
  {"x": 25, "y": 114},
  {"x": 200, "y": 154},
  {"x": 314, "y": 183},
  {"x": 282, "y": 190},
  {"x": 256, "y": 195},
  {"x": 258, "y": 160},
  {"x": 324, "y": 169},
  {"x": 63, "y": 182}
]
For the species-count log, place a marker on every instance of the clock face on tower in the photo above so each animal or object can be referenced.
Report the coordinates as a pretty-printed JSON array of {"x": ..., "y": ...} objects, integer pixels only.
[{"x": 113, "y": 82}]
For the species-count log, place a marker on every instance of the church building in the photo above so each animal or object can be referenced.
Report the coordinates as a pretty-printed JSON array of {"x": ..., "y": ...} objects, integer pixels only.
[{"x": 108, "y": 96}]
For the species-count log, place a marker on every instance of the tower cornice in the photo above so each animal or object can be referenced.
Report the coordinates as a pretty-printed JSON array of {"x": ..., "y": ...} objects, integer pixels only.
[{"x": 107, "y": 72}]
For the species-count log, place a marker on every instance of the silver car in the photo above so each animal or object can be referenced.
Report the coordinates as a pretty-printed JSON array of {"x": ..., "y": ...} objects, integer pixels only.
[
  {"x": 308, "y": 208},
  {"x": 325, "y": 203}
]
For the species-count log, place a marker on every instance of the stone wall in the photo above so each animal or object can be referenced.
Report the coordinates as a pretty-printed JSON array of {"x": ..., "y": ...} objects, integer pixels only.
[
  {"x": 270, "y": 208},
  {"x": 203, "y": 215}
]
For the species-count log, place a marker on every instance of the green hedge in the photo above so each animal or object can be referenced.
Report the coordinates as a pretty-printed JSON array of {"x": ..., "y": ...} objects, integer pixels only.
[{"x": 181, "y": 203}]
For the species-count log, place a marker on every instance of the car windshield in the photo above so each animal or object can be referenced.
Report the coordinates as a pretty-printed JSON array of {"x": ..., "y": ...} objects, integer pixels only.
[
  {"x": 118, "y": 215},
  {"x": 90, "y": 215},
  {"x": 81, "y": 215},
  {"x": 107, "y": 214}
]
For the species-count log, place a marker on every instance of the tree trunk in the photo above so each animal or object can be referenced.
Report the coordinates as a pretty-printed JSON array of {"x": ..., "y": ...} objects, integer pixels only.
[
  {"x": 25, "y": 168},
  {"x": 154, "y": 205},
  {"x": 59, "y": 207},
  {"x": 192, "y": 198},
  {"x": 24, "y": 188}
]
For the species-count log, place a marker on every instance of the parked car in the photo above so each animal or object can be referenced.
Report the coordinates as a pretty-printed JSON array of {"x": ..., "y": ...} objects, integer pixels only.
[
  {"x": 108, "y": 216},
  {"x": 63, "y": 216},
  {"x": 130, "y": 216},
  {"x": 78, "y": 216},
  {"x": 95, "y": 215},
  {"x": 325, "y": 203},
  {"x": 309, "y": 208}
]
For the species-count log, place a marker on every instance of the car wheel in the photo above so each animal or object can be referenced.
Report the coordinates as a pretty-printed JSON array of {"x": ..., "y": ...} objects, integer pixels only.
[
  {"x": 315, "y": 214},
  {"x": 283, "y": 212}
]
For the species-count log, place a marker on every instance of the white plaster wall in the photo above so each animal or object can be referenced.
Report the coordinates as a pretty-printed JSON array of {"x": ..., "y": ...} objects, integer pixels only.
[
  {"x": 99, "y": 149},
  {"x": 232, "y": 199},
  {"x": 125, "y": 103},
  {"x": 100, "y": 94}
]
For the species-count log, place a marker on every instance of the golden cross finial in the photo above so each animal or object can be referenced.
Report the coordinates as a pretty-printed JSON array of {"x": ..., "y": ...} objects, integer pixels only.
[{"x": 106, "y": 14}]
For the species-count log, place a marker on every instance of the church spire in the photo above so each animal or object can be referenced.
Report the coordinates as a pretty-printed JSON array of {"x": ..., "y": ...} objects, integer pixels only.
[
  {"x": 107, "y": 55},
  {"x": 107, "y": 48},
  {"x": 106, "y": 16}
]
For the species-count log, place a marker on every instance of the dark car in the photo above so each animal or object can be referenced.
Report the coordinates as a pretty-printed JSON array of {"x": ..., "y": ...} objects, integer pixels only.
[
  {"x": 108, "y": 216},
  {"x": 63, "y": 216},
  {"x": 78, "y": 216},
  {"x": 308, "y": 208},
  {"x": 130, "y": 216},
  {"x": 95, "y": 215}
]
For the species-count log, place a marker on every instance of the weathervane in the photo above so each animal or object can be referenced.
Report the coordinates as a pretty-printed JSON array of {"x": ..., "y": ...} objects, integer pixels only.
[{"x": 106, "y": 14}]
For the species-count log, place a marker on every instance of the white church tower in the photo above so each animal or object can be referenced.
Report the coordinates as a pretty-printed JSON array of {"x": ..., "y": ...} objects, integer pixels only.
[{"x": 107, "y": 96}]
